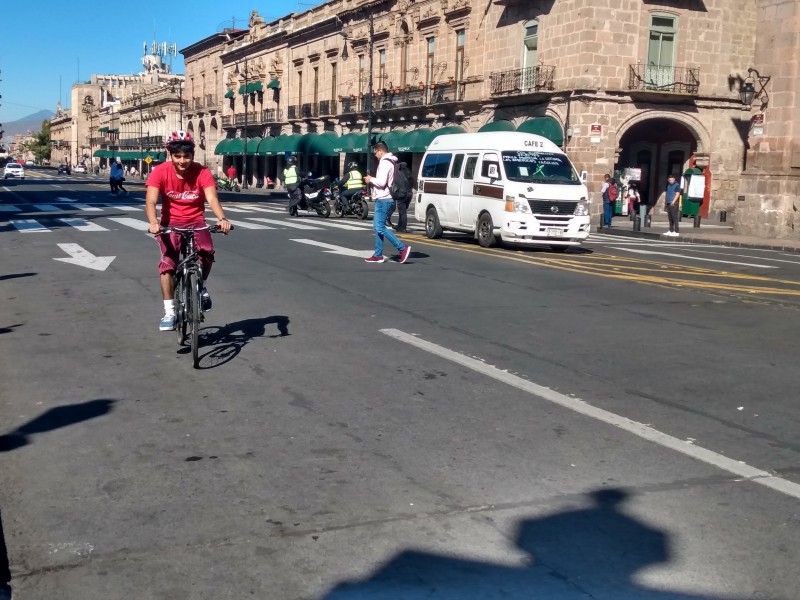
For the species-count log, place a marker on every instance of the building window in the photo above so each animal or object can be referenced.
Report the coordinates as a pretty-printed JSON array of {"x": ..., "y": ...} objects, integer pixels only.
[
  {"x": 362, "y": 73},
  {"x": 460, "y": 41},
  {"x": 530, "y": 55},
  {"x": 660, "y": 70},
  {"x": 299, "y": 88},
  {"x": 316, "y": 85},
  {"x": 405, "y": 56},
  {"x": 382, "y": 68},
  {"x": 334, "y": 83},
  {"x": 430, "y": 64}
]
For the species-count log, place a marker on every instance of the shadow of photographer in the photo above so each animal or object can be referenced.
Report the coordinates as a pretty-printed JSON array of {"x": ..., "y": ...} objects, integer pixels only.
[{"x": 227, "y": 341}]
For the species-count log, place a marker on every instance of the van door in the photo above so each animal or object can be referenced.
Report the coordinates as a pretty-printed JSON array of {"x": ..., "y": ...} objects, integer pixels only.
[
  {"x": 436, "y": 186},
  {"x": 466, "y": 211},
  {"x": 488, "y": 191}
]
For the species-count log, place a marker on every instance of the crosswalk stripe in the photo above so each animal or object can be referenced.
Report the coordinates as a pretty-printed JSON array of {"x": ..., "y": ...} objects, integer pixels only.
[
  {"x": 260, "y": 208},
  {"x": 86, "y": 208},
  {"x": 130, "y": 222},
  {"x": 284, "y": 223},
  {"x": 246, "y": 225},
  {"x": 47, "y": 207},
  {"x": 9, "y": 208},
  {"x": 29, "y": 226},
  {"x": 124, "y": 207},
  {"x": 234, "y": 209},
  {"x": 336, "y": 225},
  {"x": 83, "y": 224}
]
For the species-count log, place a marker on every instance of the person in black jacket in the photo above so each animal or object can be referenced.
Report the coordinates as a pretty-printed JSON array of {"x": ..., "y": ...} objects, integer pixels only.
[{"x": 402, "y": 205}]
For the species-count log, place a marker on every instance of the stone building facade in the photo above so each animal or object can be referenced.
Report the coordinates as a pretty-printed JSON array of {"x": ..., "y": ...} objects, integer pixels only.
[{"x": 648, "y": 85}]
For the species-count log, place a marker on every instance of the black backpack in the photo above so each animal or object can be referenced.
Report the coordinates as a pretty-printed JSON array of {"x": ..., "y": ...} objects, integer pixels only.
[{"x": 401, "y": 184}]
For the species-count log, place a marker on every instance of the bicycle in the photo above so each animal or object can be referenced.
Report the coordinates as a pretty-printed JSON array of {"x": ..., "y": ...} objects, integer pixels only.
[{"x": 188, "y": 286}]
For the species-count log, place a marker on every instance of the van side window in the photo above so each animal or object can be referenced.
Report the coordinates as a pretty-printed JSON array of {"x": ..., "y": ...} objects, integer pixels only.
[
  {"x": 489, "y": 159},
  {"x": 455, "y": 172},
  {"x": 469, "y": 170},
  {"x": 436, "y": 165}
]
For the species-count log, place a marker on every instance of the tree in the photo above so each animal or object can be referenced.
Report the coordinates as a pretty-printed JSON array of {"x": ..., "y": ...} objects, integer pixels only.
[{"x": 41, "y": 142}]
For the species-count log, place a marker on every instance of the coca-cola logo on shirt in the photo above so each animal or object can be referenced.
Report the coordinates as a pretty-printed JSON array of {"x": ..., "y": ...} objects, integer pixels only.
[{"x": 187, "y": 195}]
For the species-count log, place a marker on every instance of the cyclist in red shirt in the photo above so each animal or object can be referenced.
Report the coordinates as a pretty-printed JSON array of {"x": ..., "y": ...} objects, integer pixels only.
[{"x": 184, "y": 186}]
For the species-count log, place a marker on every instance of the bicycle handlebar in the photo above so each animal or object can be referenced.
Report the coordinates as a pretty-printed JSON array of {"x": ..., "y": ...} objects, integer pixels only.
[{"x": 211, "y": 228}]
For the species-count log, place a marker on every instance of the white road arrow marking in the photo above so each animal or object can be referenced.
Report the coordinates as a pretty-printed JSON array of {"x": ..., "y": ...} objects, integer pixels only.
[
  {"x": 84, "y": 258},
  {"x": 727, "y": 262},
  {"x": 332, "y": 249}
]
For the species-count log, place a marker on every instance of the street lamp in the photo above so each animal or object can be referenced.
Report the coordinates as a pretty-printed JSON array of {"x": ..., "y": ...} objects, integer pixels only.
[
  {"x": 246, "y": 97},
  {"x": 88, "y": 109},
  {"x": 137, "y": 101},
  {"x": 345, "y": 56}
]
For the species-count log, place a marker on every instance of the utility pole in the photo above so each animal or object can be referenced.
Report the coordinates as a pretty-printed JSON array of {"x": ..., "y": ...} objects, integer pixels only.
[
  {"x": 246, "y": 98},
  {"x": 369, "y": 104}
]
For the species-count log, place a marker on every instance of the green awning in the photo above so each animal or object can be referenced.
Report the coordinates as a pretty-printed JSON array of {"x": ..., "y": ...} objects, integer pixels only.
[
  {"x": 360, "y": 144},
  {"x": 286, "y": 143},
  {"x": 103, "y": 130},
  {"x": 222, "y": 146},
  {"x": 320, "y": 145},
  {"x": 252, "y": 145},
  {"x": 274, "y": 84},
  {"x": 546, "y": 127},
  {"x": 255, "y": 86},
  {"x": 416, "y": 140},
  {"x": 129, "y": 155},
  {"x": 115, "y": 130},
  {"x": 229, "y": 94},
  {"x": 102, "y": 153},
  {"x": 501, "y": 125},
  {"x": 392, "y": 138},
  {"x": 242, "y": 89},
  {"x": 344, "y": 143},
  {"x": 235, "y": 146},
  {"x": 265, "y": 147}
]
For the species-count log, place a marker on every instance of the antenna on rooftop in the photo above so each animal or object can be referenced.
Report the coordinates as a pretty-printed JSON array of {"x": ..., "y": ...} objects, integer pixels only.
[{"x": 154, "y": 55}]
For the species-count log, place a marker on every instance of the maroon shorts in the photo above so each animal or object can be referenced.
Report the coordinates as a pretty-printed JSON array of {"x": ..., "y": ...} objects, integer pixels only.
[{"x": 170, "y": 244}]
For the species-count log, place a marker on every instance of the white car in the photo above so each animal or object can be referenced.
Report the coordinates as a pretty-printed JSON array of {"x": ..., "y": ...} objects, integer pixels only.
[
  {"x": 14, "y": 170},
  {"x": 79, "y": 169}
]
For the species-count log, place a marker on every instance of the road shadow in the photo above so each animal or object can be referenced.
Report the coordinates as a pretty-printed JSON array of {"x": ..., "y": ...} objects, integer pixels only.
[
  {"x": 228, "y": 340},
  {"x": 5, "y": 567},
  {"x": 592, "y": 552},
  {"x": 54, "y": 418},
  {"x": 10, "y": 328},
  {"x": 16, "y": 276}
]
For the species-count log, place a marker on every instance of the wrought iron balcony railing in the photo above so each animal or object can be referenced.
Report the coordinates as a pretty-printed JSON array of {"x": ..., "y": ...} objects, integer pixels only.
[
  {"x": 666, "y": 79},
  {"x": 197, "y": 103},
  {"x": 212, "y": 101},
  {"x": 522, "y": 81},
  {"x": 327, "y": 108},
  {"x": 271, "y": 115},
  {"x": 293, "y": 112}
]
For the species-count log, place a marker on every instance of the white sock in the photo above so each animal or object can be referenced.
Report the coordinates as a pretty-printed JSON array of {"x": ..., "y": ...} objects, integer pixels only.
[{"x": 169, "y": 307}]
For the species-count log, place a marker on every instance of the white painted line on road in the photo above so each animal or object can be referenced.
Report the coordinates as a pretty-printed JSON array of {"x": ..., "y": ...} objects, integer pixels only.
[
  {"x": 714, "y": 260},
  {"x": 337, "y": 225},
  {"x": 29, "y": 226},
  {"x": 246, "y": 225},
  {"x": 125, "y": 207},
  {"x": 9, "y": 208},
  {"x": 85, "y": 207},
  {"x": 333, "y": 249},
  {"x": 284, "y": 223},
  {"x": 262, "y": 208},
  {"x": 131, "y": 222},
  {"x": 229, "y": 208},
  {"x": 641, "y": 430},
  {"x": 83, "y": 224},
  {"x": 46, "y": 207}
]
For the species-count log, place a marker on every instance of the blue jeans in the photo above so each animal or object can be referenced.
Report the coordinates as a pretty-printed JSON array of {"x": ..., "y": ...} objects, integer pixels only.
[
  {"x": 608, "y": 212},
  {"x": 382, "y": 208}
]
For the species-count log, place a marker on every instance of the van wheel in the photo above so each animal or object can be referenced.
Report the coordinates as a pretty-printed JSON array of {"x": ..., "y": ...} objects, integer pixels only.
[
  {"x": 433, "y": 229},
  {"x": 486, "y": 237}
]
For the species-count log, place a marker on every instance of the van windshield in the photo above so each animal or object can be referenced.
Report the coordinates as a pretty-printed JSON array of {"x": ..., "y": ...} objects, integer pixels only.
[{"x": 539, "y": 167}]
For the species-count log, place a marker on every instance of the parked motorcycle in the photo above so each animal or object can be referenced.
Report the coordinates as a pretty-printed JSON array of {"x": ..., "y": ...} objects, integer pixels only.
[
  {"x": 358, "y": 204},
  {"x": 228, "y": 185},
  {"x": 314, "y": 197}
]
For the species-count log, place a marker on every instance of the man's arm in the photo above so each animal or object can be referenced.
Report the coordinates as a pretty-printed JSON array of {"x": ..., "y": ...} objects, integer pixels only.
[
  {"x": 216, "y": 208},
  {"x": 381, "y": 179},
  {"x": 150, "y": 200}
]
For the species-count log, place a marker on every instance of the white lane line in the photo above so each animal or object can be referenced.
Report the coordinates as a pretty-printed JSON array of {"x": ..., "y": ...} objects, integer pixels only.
[
  {"x": 333, "y": 249},
  {"x": 125, "y": 207},
  {"x": 261, "y": 208},
  {"x": 86, "y": 207},
  {"x": 137, "y": 224},
  {"x": 700, "y": 258},
  {"x": 337, "y": 225},
  {"x": 641, "y": 430},
  {"x": 46, "y": 207},
  {"x": 234, "y": 209},
  {"x": 284, "y": 223},
  {"x": 29, "y": 226},
  {"x": 9, "y": 208},
  {"x": 83, "y": 224},
  {"x": 246, "y": 225}
]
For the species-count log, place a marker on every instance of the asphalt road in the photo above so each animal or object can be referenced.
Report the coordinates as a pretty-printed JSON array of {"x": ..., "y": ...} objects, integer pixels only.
[{"x": 615, "y": 422}]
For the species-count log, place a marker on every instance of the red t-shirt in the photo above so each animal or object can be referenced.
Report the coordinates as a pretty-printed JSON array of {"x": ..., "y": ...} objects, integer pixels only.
[
  {"x": 182, "y": 200},
  {"x": 231, "y": 172}
]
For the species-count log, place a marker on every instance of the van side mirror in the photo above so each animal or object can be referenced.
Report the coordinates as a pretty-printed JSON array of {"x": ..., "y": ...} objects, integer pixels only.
[
  {"x": 584, "y": 176},
  {"x": 493, "y": 172}
]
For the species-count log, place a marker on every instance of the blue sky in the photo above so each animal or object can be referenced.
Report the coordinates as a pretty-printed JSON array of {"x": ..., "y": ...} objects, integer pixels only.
[{"x": 48, "y": 46}]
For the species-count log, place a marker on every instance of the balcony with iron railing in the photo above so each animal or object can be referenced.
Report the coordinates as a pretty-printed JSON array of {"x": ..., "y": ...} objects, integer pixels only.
[
  {"x": 664, "y": 79},
  {"x": 408, "y": 97},
  {"x": 197, "y": 103},
  {"x": 212, "y": 101},
  {"x": 522, "y": 81}
]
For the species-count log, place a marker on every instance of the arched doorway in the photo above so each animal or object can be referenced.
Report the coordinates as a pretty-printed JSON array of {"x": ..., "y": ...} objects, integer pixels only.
[{"x": 657, "y": 148}]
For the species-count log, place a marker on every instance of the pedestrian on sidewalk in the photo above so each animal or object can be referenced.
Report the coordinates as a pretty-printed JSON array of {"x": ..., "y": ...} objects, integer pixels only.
[
  {"x": 673, "y": 201},
  {"x": 113, "y": 175},
  {"x": 609, "y": 193},
  {"x": 381, "y": 185}
]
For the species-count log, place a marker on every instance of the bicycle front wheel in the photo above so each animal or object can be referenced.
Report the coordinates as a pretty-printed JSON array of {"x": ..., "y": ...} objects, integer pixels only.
[
  {"x": 180, "y": 309},
  {"x": 193, "y": 315}
]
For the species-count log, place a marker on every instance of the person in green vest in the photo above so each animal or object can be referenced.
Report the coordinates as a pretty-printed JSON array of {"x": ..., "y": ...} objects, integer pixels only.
[
  {"x": 352, "y": 182},
  {"x": 291, "y": 181}
]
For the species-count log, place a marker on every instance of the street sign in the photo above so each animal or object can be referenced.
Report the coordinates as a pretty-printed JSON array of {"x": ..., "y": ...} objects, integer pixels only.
[{"x": 148, "y": 160}]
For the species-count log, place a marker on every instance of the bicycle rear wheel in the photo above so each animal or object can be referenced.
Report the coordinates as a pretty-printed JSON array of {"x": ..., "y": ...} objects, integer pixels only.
[
  {"x": 180, "y": 309},
  {"x": 193, "y": 314}
]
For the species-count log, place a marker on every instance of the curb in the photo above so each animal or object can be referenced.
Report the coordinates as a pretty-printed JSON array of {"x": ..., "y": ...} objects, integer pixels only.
[{"x": 700, "y": 239}]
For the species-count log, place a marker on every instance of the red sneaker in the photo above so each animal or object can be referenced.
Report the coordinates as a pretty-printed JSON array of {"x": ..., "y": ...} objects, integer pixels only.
[
  {"x": 404, "y": 254},
  {"x": 375, "y": 259}
]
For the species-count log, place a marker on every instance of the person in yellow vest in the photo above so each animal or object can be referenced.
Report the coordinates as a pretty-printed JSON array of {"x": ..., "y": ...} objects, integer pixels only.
[
  {"x": 291, "y": 181},
  {"x": 351, "y": 183}
]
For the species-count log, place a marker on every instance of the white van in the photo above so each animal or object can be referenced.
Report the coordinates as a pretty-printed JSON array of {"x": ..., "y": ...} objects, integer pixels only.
[{"x": 513, "y": 187}]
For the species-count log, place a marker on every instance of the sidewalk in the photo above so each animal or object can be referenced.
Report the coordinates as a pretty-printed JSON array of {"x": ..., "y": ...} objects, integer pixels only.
[{"x": 708, "y": 233}]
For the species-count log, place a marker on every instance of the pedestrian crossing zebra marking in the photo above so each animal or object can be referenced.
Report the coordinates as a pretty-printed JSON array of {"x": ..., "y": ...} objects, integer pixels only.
[
  {"x": 83, "y": 224},
  {"x": 29, "y": 226}
]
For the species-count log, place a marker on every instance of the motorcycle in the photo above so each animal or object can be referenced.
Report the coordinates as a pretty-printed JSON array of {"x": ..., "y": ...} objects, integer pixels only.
[
  {"x": 228, "y": 185},
  {"x": 314, "y": 197},
  {"x": 358, "y": 204}
]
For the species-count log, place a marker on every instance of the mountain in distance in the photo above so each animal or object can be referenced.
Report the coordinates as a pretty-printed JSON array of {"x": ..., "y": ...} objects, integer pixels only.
[{"x": 32, "y": 123}]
